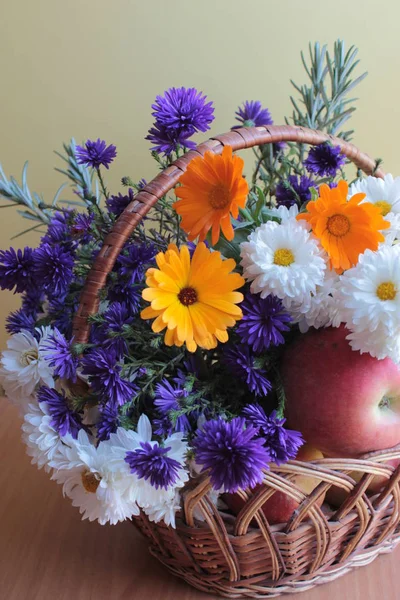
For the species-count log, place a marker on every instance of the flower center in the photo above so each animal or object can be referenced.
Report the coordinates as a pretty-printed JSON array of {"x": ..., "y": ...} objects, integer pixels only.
[
  {"x": 338, "y": 225},
  {"x": 28, "y": 357},
  {"x": 384, "y": 207},
  {"x": 187, "y": 296},
  {"x": 283, "y": 257},
  {"x": 386, "y": 291},
  {"x": 90, "y": 481},
  {"x": 219, "y": 196}
]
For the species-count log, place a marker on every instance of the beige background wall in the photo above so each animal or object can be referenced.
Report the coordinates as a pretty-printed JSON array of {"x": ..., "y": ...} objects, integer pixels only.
[{"x": 91, "y": 68}]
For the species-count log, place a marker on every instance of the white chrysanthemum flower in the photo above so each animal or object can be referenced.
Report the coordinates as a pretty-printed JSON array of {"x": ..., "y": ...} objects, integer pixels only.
[
  {"x": 369, "y": 301},
  {"x": 370, "y": 291},
  {"x": 385, "y": 193},
  {"x": 392, "y": 234},
  {"x": 43, "y": 442},
  {"x": 23, "y": 365},
  {"x": 94, "y": 485},
  {"x": 377, "y": 344},
  {"x": 285, "y": 213},
  {"x": 284, "y": 260},
  {"x": 156, "y": 472},
  {"x": 319, "y": 309}
]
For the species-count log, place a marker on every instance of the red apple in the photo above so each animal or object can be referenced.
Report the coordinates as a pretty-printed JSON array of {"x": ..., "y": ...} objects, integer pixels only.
[
  {"x": 280, "y": 507},
  {"x": 343, "y": 402}
]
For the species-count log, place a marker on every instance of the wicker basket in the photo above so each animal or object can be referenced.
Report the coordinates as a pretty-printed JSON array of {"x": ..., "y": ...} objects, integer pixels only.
[{"x": 243, "y": 555}]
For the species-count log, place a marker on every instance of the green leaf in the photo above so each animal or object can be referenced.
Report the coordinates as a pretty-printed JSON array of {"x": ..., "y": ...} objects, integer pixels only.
[{"x": 231, "y": 249}]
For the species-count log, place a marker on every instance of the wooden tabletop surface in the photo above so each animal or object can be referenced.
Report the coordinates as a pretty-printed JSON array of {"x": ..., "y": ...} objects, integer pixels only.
[{"x": 48, "y": 553}]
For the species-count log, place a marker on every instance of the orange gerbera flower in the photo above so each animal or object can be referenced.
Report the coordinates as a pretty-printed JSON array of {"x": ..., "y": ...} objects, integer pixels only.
[
  {"x": 213, "y": 188},
  {"x": 345, "y": 228},
  {"x": 193, "y": 298}
]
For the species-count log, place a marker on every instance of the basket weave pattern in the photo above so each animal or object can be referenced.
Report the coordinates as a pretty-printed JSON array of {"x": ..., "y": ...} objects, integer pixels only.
[{"x": 243, "y": 555}]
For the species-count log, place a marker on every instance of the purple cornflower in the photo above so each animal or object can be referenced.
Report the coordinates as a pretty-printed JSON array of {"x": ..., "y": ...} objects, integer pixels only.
[
  {"x": 325, "y": 160},
  {"x": 109, "y": 421},
  {"x": 58, "y": 353},
  {"x": 19, "y": 320},
  {"x": 63, "y": 419},
  {"x": 252, "y": 114},
  {"x": 81, "y": 227},
  {"x": 264, "y": 320},
  {"x": 53, "y": 268},
  {"x": 105, "y": 376},
  {"x": 242, "y": 365},
  {"x": 117, "y": 204},
  {"x": 167, "y": 398},
  {"x": 134, "y": 259},
  {"x": 234, "y": 455},
  {"x": 183, "y": 110},
  {"x": 131, "y": 295},
  {"x": 283, "y": 444},
  {"x": 96, "y": 154},
  {"x": 112, "y": 332},
  {"x": 166, "y": 141},
  {"x": 151, "y": 462},
  {"x": 16, "y": 269},
  {"x": 294, "y": 191}
]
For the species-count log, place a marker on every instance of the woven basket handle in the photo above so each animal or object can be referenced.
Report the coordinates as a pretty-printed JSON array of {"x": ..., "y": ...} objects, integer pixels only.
[{"x": 239, "y": 139}]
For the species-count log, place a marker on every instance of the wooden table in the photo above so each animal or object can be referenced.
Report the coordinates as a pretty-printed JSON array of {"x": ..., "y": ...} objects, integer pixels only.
[{"x": 47, "y": 553}]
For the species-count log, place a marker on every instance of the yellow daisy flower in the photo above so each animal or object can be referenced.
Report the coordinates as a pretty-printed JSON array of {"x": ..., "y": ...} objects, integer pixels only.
[{"x": 194, "y": 298}]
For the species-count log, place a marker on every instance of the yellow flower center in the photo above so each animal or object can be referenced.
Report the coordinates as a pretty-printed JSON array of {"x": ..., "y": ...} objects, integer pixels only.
[
  {"x": 338, "y": 225},
  {"x": 283, "y": 257},
  {"x": 386, "y": 291},
  {"x": 90, "y": 481},
  {"x": 219, "y": 196},
  {"x": 28, "y": 357},
  {"x": 384, "y": 207},
  {"x": 187, "y": 296}
]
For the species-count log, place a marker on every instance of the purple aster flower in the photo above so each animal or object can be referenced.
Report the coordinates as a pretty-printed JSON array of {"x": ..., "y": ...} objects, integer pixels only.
[
  {"x": 63, "y": 419},
  {"x": 16, "y": 270},
  {"x": 325, "y": 160},
  {"x": 130, "y": 295},
  {"x": 53, "y": 268},
  {"x": 166, "y": 399},
  {"x": 32, "y": 300},
  {"x": 162, "y": 426},
  {"x": 294, "y": 191},
  {"x": 151, "y": 462},
  {"x": 134, "y": 260},
  {"x": 242, "y": 365},
  {"x": 19, "y": 320},
  {"x": 109, "y": 421},
  {"x": 234, "y": 455},
  {"x": 58, "y": 230},
  {"x": 183, "y": 110},
  {"x": 283, "y": 444},
  {"x": 61, "y": 314},
  {"x": 81, "y": 227},
  {"x": 105, "y": 376},
  {"x": 252, "y": 114},
  {"x": 117, "y": 204},
  {"x": 96, "y": 154},
  {"x": 264, "y": 320},
  {"x": 112, "y": 332},
  {"x": 58, "y": 353},
  {"x": 166, "y": 141}
]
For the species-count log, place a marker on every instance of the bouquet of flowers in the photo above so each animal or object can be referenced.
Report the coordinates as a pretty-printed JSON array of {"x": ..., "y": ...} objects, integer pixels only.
[{"x": 185, "y": 371}]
